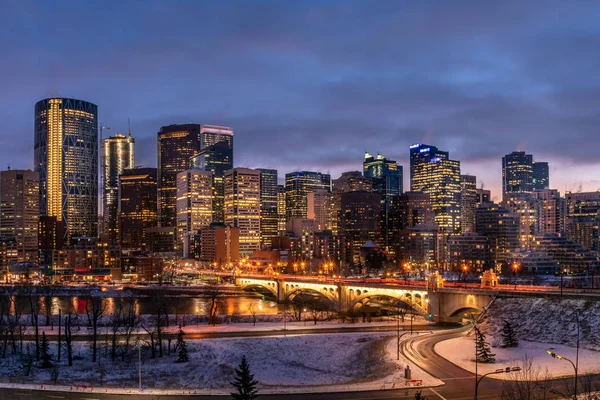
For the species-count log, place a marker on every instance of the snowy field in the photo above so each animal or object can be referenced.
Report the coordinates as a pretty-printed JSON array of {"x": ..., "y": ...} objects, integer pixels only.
[
  {"x": 313, "y": 363},
  {"x": 546, "y": 320},
  {"x": 461, "y": 351}
]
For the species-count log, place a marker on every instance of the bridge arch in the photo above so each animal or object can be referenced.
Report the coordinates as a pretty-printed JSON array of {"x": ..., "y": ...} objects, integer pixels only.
[
  {"x": 271, "y": 286},
  {"x": 292, "y": 289},
  {"x": 416, "y": 299}
]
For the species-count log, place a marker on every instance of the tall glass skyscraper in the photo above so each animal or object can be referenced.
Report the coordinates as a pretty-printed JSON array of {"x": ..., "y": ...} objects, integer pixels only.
[
  {"x": 517, "y": 174},
  {"x": 297, "y": 187},
  {"x": 66, "y": 157},
  {"x": 268, "y": 206},
  {"x": 541, "y": 175},
  {"x": 118, "y": 156},
  {"x": 177, "y": 144},
  {"x": 432, "y": 172}
]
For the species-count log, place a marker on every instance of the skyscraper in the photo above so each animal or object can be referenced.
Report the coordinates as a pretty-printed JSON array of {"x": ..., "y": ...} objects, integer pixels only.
[
  {"x": 432, "y": 172},
  {"x": 517, "y": 173},
  {"x": 137, "y": 207},
  {"x": 268, "y": 206},
  {"x": 66, "y": 157},
  {"x": 360, "y": 222},
  {"x": 216, "y": 156},
  {"x": 297, "y": 187},
  {"x": 541, "y": 175},
  {"x": 177, "y": 144},
  {"x": 242, "y": 206},
  {"x": 501, "y": 227},
  {"x": 350, "y": 181},
  {"x": 194, "y": 205},
  {"x": 118, "y": 156},
  {"x": 583, "y": 218},
  {"x": 550, "y": 211},
  {"x": 281, "y": 215},
  {"x": 468, "y": 202},
  {"x": 19, "y": 211},
  {"x": 319, "y": 204}
]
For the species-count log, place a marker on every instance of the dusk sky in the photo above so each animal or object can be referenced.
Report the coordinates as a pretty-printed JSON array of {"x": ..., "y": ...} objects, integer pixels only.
[{"x": 312, "y": 85}]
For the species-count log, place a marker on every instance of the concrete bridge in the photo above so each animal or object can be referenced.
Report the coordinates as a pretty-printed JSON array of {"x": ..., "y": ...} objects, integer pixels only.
[
  {"x": 350, "y": 294},
  {"x": 436, "y": 299}
]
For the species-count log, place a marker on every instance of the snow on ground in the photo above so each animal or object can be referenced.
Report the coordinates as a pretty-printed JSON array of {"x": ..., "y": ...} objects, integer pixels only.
[
  {"x": 461, "y": 351},
  {"x": 296, "y": 363},
  {"x": 546, "y": 320}
]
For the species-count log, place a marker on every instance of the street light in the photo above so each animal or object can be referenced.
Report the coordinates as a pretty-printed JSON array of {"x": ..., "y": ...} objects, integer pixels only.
[
  {"x": 515, "y": 269},
  {"x": 498, "y": 371},
  {"x": 576, "y": 365}
]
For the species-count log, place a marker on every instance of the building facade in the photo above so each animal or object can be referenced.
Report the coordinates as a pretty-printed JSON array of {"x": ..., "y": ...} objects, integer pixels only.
[
  {"x": 501, "y": 227},
  {"x": 517, "y": 174},
  {"x": 118, "y": 155},
  {"x": 319, "y": 208},
  {"x": 66, "y": 158},
  {"x": 468, "y": 202},
  {"x": 360, "y": 222},
  {"x": 269, "y": 217},
  {"x": 541, "y": 175},
  {"x": 194, "y": 205},
  {"x": 137, "y": 207},
  {"x": 19, "y": 211},
  {"x": 242, "y": 206},
  {"x": 297, "y": 187}
]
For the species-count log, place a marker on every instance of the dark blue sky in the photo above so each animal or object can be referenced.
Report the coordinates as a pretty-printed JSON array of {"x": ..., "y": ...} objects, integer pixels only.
[{"x": 312, "y": 85}]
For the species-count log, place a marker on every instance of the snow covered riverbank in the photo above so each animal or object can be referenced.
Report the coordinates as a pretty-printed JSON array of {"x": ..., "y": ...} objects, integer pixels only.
[{"x": 342, "y": 362}]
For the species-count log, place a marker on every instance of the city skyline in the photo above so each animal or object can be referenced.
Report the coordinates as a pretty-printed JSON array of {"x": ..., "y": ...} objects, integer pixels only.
[{"x": 495, "y": 85}]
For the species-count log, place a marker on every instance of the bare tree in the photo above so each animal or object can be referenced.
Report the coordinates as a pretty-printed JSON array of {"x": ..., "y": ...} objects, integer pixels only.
[
  {"x": 213, "y": 303},
  {"x": 252, "y": 311},
  {"x": 94, "y": 311},
  {"x": 69, "y": 339},
  {"x": 115, "y": 327},
  {"x": 527, "y": 384},
  {"x": 130, "y": 324},
  {"x": 152, "y": 338},
  {"x": 33, "y": 307}
]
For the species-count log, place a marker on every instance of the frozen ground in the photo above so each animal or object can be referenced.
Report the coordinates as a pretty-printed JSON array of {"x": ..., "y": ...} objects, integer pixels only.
[
  {"x": 342, "y": 362},
  {"x": 546, "y": 320},
  {"x": 461, "y": 351}
]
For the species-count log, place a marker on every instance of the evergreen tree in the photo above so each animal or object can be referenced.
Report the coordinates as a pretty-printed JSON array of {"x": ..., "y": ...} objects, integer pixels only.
[
  {"x": 508, "y": 336},
  {"x": 45, "y": 354},
  {"x": 181, "y": 346},
  {"x": 244, "y": 382},
  {"x": 482, "y": 349}
]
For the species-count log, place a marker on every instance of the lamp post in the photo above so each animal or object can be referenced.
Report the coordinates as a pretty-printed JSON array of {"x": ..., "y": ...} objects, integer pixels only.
[
  {"x": 465, "y": 269},
  {"x": 515, "y": 269},
  {"x": 576, "y": 364},
  {"x": 498, "y": 371}
]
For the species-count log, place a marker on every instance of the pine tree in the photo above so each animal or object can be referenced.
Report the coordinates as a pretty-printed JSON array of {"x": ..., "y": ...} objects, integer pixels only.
[
  {"x": 482, "y": 349},
  {"x": 181, "y": 346},
  {"x": 244, "y": 382},
  {"x": 45, "y": 355},
  {"x": 508, "y": 336}
]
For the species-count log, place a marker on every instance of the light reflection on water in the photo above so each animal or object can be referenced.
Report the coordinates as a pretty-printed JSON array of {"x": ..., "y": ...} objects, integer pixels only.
[{"x": 240, "y": 305}]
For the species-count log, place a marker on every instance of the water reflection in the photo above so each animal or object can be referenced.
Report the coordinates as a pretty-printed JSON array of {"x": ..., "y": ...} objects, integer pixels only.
[{"x": 240, "y": 305}]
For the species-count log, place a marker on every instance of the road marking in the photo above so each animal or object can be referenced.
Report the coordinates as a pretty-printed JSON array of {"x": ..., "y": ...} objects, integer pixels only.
[{"x": 437, "y": 394}]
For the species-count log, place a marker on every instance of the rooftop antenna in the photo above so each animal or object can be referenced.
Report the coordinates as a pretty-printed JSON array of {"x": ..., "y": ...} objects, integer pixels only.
[
  {"x": 129, "y": 127},
  {"x": 9, "y": 167}
]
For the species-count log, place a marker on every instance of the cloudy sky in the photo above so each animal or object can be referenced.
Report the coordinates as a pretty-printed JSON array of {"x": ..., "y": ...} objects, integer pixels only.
[{"x": 312, "y": 85}]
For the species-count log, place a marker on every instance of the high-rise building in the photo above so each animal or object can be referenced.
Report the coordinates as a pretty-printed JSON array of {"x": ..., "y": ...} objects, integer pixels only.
[
  {"x": 177, "y": 144},
  {"x": 194, "y": 205},
  {"x": 468, "y": 202},
  {"x": 242, "y": 206},
  {"x": 524, "y": 206},
  {"x": 432, "y": 172},
  {"x": 469, "y": 251},
  {"x": 51, "y": 235},
  {"x": 66, "y": 157},
  {"x": 297, "y": 187},
  {"x": 360, "y": 222},
  {"x": 541, "y": 175},
  {"x": 281, "y": 214},
  {"x": 501, "y": 226},
  {"x": 319, "y": 203},
  {"x": 517, "y": 174},
  {"x": 137, "y": 207},
  {"x": 216, "y": 156},
  {"x": 303, "y": 231},
  {"x": 420, "y": 247},
  {"x": 19, "y": 211},
  {"x": 583, "y": 218},
  {"x": 351, "y": 181},
  {"x": 219, "y": 243},
  {"x": 550, "y": 211},
  {"x": 483, "y": 196},
  {"x": 269, "y": 217},
  {"x": 408, "y": 210},
  {"x": 118, "y": 156}
]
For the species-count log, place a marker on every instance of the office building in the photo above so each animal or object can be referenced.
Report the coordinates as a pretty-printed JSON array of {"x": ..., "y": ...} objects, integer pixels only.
[
  {"x": 408, "y": 210},
  {"x": 242, "y": 206},
  {"x": 194, "y": 205},
  {"x": 550, "y": 211},
  {"x": 432, "y": 172},
  {"x": 360, "y": 222},
  {"x": 501, "y": 227},
  {"x": 220, "y": 244},
  {"x": 351, "y": 181},
  {"x": 177, "y": 145},
  {"x": 161, "y": 240},
  {"x": 525, "y": 207},
  {"x": 468, "y": 202},
  {"x": 541, "y": 175},
  {"x": 281, "y": 214},
  {"x": 51, "y": 235},
  {"x": 583, "y": 218},
  {"x": 420, "y": 247},
  {"x": 269, "y": 217},
  {"x": 118, "y": 156},
  {"x": 468, "y": 252},
  {"x": 297, "y": 187},
  {"x": 19, "y": 211},
  {"x": 216, "y": 156},
  {"x": 66, "y": 157},
  {"x": 301, "y": 232},
  {"x": 320, "y": 203},
  {"x": 517, "y": 174},
  {"x": 137, "y": 207},
  {"x": 483, "y": 196}
]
